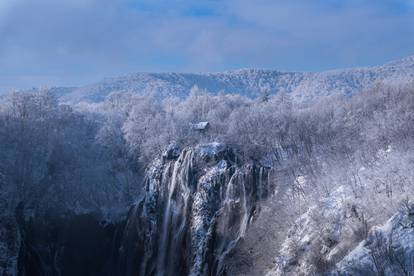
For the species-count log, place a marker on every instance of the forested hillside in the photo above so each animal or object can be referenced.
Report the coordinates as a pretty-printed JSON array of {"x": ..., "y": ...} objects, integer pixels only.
[
  {"x": 302, "y": 86},
  {"x": 335, "y": 167}
]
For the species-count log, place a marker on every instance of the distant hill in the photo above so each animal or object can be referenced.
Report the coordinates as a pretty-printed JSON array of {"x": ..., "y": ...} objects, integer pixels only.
[{"x": 248, "y": 82}]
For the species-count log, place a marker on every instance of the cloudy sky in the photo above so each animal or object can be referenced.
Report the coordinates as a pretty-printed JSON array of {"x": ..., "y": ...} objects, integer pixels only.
[{"x": 72, "y": 42}]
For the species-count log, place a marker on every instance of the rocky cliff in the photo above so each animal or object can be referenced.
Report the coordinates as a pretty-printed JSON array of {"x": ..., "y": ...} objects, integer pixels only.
[
  {"x": 333, "y": 238},
  {"x": 198, "y": 203},
  {"x": 388, "y": 249}
]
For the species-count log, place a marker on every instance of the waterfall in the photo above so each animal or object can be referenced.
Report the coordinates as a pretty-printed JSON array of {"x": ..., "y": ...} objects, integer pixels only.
[{"x": 196, "y": 208}]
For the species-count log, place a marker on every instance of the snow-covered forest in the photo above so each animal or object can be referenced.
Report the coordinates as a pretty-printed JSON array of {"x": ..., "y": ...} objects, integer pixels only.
[
  {"x": 338, "y": 166},
  {"x": 206, "y": 138}
]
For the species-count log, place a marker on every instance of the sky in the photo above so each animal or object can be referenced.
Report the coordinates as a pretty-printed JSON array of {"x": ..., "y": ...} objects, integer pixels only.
[{"x": 74, "y": 42}]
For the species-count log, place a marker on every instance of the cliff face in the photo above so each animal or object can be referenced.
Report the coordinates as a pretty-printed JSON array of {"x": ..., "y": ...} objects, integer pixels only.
[
  {"x": 197, "y": 205},
  {"x": 320, "y": 236},
  {"x": 388, "y": 249},
  {"x": 333, "y": 238}
]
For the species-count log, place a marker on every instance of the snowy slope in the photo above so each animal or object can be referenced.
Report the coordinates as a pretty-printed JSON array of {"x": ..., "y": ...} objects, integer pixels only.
[
  {"x": 318, "y": 234},
  {"x": 248, "y": 82},
  {"x": 388, "y": 250}
]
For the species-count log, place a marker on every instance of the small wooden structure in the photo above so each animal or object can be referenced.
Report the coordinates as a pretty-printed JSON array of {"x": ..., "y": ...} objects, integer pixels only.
[{"x": 200, "y": 126}]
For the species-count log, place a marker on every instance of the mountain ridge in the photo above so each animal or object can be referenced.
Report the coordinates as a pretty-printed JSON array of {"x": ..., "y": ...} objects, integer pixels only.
[{"x": 249, "y": 82}]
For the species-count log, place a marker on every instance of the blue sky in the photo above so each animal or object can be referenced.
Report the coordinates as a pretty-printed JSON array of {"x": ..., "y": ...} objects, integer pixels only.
[{"x": 72, "y": 42}]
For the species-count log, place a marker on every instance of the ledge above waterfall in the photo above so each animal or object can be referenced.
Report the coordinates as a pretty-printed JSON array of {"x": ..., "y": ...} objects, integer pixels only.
[
  {"x": 210, "y": 149},
  {"x": 207, "y": 152}
]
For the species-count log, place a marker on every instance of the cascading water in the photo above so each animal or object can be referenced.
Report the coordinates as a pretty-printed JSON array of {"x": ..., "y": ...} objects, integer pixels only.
[{"x": 197, "y": 205}]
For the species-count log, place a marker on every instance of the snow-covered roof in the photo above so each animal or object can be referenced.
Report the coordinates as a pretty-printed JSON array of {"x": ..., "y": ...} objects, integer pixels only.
[{"x": 199, "y": 125}]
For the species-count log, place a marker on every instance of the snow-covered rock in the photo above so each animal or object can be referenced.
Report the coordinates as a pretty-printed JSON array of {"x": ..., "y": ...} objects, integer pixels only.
[
  {"x": 172, "y": 151},
  {"x": 388, "y": 250},
  {"x": 320, "y": 236}
]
